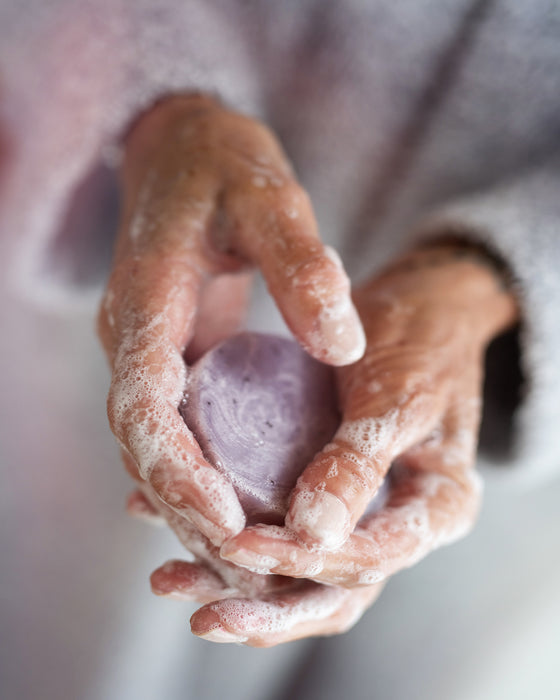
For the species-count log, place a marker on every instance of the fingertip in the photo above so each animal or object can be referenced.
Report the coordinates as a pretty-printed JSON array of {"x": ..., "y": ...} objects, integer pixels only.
[
  {"x": 339, "y": 322},
  {"x": 207, "y": 624},
  {"x": 163, "y": 581},
  {"x": 204, "y": 620},
  {"x": 336, "y": 334},
  {"x": 319, "y": 519},
  {"x": 313, "y": 293},
  {"x": 195, "y": 491},
  {"x": 341, "y": 339}
]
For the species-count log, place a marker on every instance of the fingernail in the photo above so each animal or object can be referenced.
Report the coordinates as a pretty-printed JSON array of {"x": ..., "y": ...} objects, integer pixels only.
[
  {"x": 322, "y": 516},
  {"x": 342, "y": 332},
  {"x": 222, "y": 636}
]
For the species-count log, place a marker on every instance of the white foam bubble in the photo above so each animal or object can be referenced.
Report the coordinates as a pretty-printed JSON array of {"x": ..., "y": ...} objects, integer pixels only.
[
  {"x": 262, "y": 618},
  {"x": 370, "y": 576},
  {"x": 369, "y": 436},
  {"x": 332, "y": 471}
]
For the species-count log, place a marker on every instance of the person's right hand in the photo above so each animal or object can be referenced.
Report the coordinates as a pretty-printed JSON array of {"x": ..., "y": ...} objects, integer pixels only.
[{"x": 208, "y": 194}]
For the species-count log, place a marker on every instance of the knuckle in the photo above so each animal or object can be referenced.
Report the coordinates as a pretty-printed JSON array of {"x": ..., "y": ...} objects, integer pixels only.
[
  {"x": 126, "y": 410},
  {"x": 366, "y": 440},
  {"x": 275, "y": 194},
  {"x": 310, "y": 270},
  {"x": 130, "y": 419},
  {"x": 398, "y": 368},
  {"x": 355, "y": 472}
]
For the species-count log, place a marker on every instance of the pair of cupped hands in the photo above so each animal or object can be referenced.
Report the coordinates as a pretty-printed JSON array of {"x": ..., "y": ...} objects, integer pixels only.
[{"x": 209, "y": 195}]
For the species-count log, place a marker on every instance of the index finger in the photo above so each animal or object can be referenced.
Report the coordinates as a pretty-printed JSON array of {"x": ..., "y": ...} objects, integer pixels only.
[{"x": 306, "y": 279}]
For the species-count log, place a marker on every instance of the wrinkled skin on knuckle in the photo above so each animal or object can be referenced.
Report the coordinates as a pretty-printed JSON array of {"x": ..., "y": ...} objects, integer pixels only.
[
  {"x": 308, "y": 276},
  {"x": 360, "y": 477},
  {"x": 404, "y": 379},
  {"x": 127, "y": 408}
]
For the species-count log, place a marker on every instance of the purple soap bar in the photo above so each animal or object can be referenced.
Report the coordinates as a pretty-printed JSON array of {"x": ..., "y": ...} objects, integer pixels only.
[{"x": 260, "y": 408}]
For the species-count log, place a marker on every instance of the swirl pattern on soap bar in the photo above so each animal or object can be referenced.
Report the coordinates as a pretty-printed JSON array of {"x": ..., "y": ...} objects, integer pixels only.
[{"x": 260, "y": 408}]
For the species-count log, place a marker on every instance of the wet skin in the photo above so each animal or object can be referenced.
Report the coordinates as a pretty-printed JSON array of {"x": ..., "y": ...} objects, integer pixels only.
[{"x": 209, "y": 195}]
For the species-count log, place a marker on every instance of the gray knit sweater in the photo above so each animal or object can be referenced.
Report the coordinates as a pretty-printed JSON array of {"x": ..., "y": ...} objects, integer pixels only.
[{"x": 403, "y": 119}]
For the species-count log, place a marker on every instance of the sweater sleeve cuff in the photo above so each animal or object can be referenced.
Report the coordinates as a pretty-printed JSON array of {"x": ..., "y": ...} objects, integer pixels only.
[{"x": 518, "y": 222}]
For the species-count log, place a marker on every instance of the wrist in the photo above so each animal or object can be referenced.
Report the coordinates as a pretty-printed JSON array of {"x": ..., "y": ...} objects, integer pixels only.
[{"x": 452, "y": 279}]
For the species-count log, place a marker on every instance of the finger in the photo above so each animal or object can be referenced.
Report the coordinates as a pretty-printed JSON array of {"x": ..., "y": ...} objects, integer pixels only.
[
  {"x": 387, "y": 408},
  {"x": 424, "y": 511},
  {"x": 277, "y": 231},
  {"x": 203, "y": 582},
  {"x": 182, "y": 580},
  {"x": 235, "y": 579},
  {"x": 138, "y": 506},
  {"x": 307, "y": 610},
  {"x": 334, "y": 490},
  {"x": 153, "y": 320}
]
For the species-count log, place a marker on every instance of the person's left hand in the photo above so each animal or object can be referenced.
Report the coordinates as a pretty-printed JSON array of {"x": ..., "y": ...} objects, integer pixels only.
[
  {"x": 413, "y": 401},
  {"x": 244, "y": 606}
]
